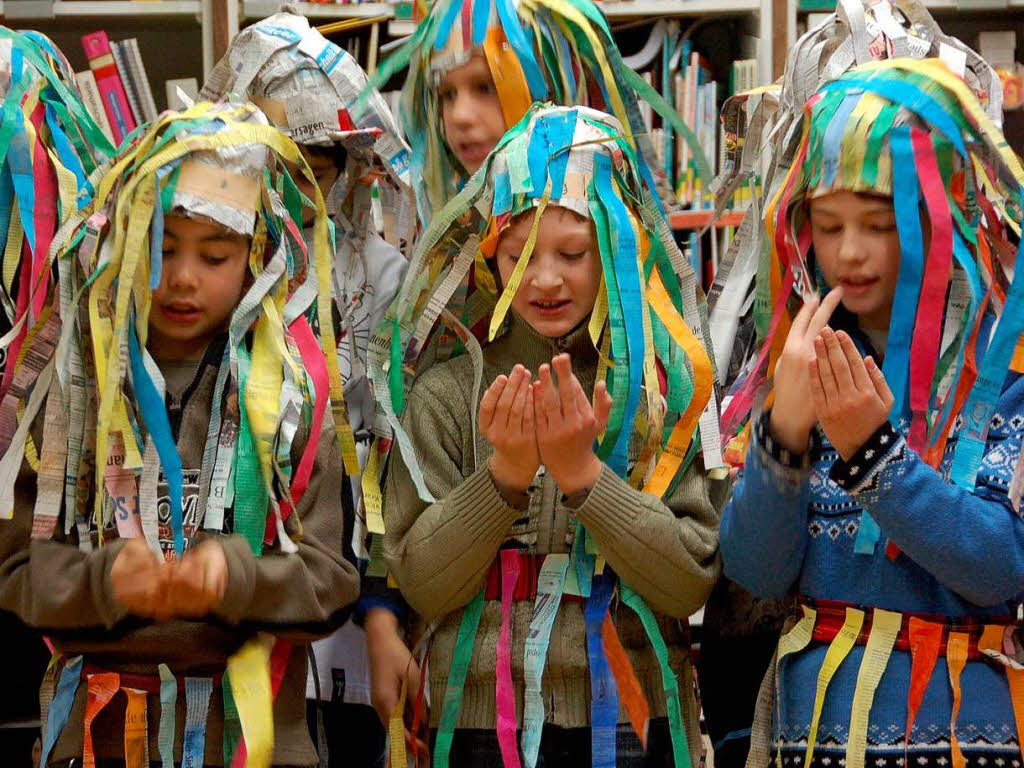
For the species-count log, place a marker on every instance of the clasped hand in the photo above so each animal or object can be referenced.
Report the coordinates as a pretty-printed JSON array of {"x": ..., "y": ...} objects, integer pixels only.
[
  {"x": 530, "y": 423},
  {"x": 848, "y": 392},
  {"x": 163, "y": 590}
]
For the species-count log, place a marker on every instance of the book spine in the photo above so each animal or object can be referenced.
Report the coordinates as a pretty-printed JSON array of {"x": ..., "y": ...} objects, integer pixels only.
[
  {"x": 117, "y": 49},
  {"x": 141, "y": 78},
  {"x": 111, "y": 89},
  {"x": 91, "y": 96}
]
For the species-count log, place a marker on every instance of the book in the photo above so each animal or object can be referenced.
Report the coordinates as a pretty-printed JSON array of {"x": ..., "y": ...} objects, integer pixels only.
[
  {"x": 141, "y": 79},
  {"x": 115, "y": 102},
  {"x": 117, "y": 50},
  {"x": 93, "y": 103}
]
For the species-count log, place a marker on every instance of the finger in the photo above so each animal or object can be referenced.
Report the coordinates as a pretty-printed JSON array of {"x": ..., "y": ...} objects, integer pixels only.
[
  {"x": 823, "y": 313},
  {"x": 817, "y": 392},
  {"x": 824, "y": 372},
  {"x": 861, "y": 379},
  {"x": 803, "y": 317},
  {"x": 602, "y": 405},
  {"x": 567, "y": 385},
  {"x": 840, "y": 365},
  {"x": 540, "y": 416},
  {"x": 529, "y": 415},
  {"x": 518, "y": 408},
  {"x": 549, "y": 398},
  {"x": 490, "y": 401},
  {"x": 879, "y": 382},
  {"x": 507, "y": 397}
]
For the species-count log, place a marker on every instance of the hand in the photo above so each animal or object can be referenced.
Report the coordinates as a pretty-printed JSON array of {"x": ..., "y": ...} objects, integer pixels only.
[
  {"x": 198, "y": 582},
  {"x": 390, "y": 664},
  {"x": 851, "y": 396},
  {"x": 568, "y": 424},
  {"x": 139, "y": 579},
  {"x": 791, "y": 421},
  {"x": 507, "y": 421}
]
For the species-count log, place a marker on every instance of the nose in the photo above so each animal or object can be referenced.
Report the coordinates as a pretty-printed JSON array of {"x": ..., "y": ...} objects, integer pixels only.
[
  {"x": 180, "y": 273},
  {"x": 463, "y": 110},
  {"x": 851, "y": 246},
  {"x": 544, "y": 274}
]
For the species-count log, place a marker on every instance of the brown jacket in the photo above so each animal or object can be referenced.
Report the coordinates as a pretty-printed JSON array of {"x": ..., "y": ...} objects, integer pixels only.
[
  {"x": 440, "y": 553},
  {"x": 66, "y": 593}
]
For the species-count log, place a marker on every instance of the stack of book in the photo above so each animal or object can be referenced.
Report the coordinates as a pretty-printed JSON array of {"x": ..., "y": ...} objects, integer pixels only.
[{"x": 116, "y": 88}]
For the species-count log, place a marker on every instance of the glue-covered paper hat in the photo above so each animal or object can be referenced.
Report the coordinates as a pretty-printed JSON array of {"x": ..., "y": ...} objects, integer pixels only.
[
  {"x": 316, "y": 93},
  {"x": 105, "y": 418},
  {"x": 536, "y": 50},
  {"x": 577, "y": 158},
  {"x": 763, "y": 129},
  {"x": 914, "y": 130}
]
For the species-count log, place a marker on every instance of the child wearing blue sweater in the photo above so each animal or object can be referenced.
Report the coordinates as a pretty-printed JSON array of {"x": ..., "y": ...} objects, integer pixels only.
[{"x": 882, "y": 480}]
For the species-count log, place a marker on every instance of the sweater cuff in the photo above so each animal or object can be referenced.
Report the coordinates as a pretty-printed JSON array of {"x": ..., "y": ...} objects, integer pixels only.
[
  {"x": 483, "y": 510},
  {"x": 855, "y": 473},
  {"x": 787, "y": 470},
  {"x": 241, "y": 578},
  {"x": 611, "y": 506}
]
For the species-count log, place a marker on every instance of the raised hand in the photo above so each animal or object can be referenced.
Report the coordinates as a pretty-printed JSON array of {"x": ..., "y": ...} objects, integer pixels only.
[
  {"x": 199, "y": 580},
  {"x": 507, "y": 422},
  {"x": 850, "y": 394},
  {"x": 568, "y": 424},
  {"x": 792, "y": 418}
]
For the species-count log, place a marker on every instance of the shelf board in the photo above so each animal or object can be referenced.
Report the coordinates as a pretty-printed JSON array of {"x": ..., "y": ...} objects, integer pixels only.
[
  {"x": 654, "y": 9},
  {"x": 66, "y": 9},
  {"x": 401, "y": 27},
  {"x": 699, "y": 219},
  {"x": 259, "y": 9}
]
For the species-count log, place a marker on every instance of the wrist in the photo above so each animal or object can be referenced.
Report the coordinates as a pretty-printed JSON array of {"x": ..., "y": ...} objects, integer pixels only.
[
  {"x": 380, "y": 622},
  {"x": 508, "y": 476},
  {"x": 584, "y": 477},
  {"x": 794, "y": 438}
]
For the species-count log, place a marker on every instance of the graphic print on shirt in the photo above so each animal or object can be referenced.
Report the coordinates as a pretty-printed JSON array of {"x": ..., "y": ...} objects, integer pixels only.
[{"x": 189, "y": 511}]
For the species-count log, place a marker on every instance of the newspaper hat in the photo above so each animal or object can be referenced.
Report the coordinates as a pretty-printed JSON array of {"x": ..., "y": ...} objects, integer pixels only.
[
  {"x": 577, "y": 158},
  {"x": 915, "y": 131},
  {"x": 91, "y": 354},
  {"x": 50, "y": 148},
  {"x": 763, "y": 129},
  {"x": 536, "y": 50},
  {"x": 308, "y": 87}
]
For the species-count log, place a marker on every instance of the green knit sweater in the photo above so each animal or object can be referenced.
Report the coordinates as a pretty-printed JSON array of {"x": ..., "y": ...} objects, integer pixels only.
[{"x": 440, "y": 553}]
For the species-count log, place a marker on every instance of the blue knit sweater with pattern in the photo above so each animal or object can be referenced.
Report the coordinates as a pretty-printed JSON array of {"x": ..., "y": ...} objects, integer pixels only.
[{"x": 791, "y": 528}]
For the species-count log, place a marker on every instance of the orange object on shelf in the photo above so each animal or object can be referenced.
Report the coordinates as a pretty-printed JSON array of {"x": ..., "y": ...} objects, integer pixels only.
[{"x": 698, "y": 219}]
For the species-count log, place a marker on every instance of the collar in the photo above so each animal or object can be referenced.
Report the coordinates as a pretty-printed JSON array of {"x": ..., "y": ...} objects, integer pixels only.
[{"x": 533, "y": 349}]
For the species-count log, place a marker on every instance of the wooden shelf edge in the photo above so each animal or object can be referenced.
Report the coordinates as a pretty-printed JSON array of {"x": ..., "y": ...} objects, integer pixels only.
[{"x": 259, "y": 9}]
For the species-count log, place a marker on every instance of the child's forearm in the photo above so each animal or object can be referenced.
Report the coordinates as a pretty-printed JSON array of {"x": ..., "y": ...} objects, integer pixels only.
[
  {"x": 764, "y": 524},
  {"x": 671, "y": 561},
  {"x": 441, "y": 560}
]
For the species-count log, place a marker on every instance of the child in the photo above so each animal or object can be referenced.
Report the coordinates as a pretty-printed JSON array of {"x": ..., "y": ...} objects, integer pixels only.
[
  {"x": 740, "y": 631},
  {"x": 179, "y": 388},
  {"x": 589, "y": 287},
  {"x": 308, "y": 86},
  {"x": 476, "y": 66},
  {"x": 882, "y": 482},
  {"x": 52, "y": 148}
]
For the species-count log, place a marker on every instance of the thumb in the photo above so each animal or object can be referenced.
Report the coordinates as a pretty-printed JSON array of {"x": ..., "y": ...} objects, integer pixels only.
[{"x": 602, "y": 405}]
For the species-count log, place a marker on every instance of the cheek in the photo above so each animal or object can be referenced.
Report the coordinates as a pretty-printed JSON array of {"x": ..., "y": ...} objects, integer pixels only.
[
  {"x": 585, "y": 276},
  {"x": 824, "y": 249}
]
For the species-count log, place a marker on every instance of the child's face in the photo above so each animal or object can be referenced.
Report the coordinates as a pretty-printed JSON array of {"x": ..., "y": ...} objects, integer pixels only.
[
  {"x": 203, "y": 276},
  {"x": 325, "y": 171},
  {"x": 471, "y": 112},
  {"x": 857, "y": 246},
  {"x": 563, "y": 274}
]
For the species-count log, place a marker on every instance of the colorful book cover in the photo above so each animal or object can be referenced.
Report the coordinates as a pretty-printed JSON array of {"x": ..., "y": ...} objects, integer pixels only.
[{"x": 115, "y": 102}]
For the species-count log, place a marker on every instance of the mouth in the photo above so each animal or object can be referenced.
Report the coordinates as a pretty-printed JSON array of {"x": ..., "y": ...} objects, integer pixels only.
[
  {"x": 473, "y": 151},
  {"x": 180, "y": 312},
  {"x": 857, "y": 286},
  {"x": 550, "y": 307}
]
